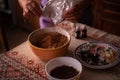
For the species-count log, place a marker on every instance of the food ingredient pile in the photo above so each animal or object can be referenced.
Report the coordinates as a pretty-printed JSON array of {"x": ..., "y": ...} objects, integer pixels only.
[{"x": 51, "y": 40}]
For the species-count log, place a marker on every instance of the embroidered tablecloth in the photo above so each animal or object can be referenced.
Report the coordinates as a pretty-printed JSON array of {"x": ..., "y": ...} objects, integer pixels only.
[{"x": 21, "y": 63}]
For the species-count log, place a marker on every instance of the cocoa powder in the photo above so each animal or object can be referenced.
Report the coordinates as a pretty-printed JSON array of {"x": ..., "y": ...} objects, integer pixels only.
[{"x": 64, "y": 72}]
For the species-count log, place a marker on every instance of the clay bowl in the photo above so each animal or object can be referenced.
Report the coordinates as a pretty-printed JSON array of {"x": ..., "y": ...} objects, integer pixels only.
[{"x": 48, "y": 53}]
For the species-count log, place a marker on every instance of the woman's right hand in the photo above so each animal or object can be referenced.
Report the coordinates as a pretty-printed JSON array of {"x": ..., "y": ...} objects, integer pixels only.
[{"x": 30, "y": 8}]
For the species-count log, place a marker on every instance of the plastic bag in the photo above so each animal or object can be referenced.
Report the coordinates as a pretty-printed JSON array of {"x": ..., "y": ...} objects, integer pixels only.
[{"x": 55, "y": 8}]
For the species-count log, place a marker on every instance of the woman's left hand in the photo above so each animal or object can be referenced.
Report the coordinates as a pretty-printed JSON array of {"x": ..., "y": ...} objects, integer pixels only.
[
  {"x": 76, "y": 12},
  {"x": 30, "y": 8}
]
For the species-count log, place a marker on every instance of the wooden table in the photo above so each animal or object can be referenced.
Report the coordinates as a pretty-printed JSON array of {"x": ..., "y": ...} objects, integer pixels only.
[{"x": 21, "y": 63}]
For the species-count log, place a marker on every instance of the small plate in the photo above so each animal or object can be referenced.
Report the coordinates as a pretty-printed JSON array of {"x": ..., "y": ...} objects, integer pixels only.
[{"x": 97, "y": 55}]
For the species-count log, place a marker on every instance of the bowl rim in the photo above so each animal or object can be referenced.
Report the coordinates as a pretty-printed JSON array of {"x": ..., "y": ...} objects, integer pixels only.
[
  {"x": 59, "y": 59},
  {"x": 68, "y": 41},
  {"x": 97, "y": 66}
]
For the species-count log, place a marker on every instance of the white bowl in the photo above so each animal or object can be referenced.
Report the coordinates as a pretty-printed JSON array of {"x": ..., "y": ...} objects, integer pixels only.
[{"x": 59, "y": 61}]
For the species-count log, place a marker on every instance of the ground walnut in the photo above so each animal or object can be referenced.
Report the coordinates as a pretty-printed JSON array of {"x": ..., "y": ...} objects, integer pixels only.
[{"x": 51, "y": 40}]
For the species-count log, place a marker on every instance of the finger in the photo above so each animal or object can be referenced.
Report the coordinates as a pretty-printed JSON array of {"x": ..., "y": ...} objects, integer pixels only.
[
  {"x": 80, "y": 6},
  {"x": 71, "y": 18},
  {"x": 34, "y": 9},
  {"x": 27, "y": 14},
  {"x": 72, "y": 9},
  {"x": 24, "y": 14},
  {"x": 72, "y": 14},
  {"x": 25, "y": 10},
  {"x": 31, "y": 10},
  {"x": 74, "y": 18},
  {"x": 37, "y": 8}
]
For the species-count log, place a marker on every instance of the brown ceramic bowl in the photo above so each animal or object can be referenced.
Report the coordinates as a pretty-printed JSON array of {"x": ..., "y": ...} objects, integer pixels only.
[{"x": 48, "y": 53}]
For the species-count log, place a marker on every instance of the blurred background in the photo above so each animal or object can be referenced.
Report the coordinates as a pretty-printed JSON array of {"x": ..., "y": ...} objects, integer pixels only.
[
  {"x": 101, "y": 14},
  {"x": 13, "y": 25}
]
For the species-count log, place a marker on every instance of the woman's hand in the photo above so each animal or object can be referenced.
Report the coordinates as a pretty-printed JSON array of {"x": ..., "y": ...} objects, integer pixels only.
[
  {"x": 30, "y": 8},
  {"x": 76, "y": 12}
]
